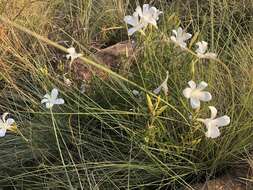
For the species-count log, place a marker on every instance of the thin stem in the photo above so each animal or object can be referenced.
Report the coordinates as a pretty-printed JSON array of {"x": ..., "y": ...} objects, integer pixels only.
[{"x": 59, "y": 148}]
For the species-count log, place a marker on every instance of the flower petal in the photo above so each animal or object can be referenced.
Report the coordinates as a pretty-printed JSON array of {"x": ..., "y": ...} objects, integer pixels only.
[
  {"x": 221, "y": 121},
  {"x": 199, "y": 44},
  {"x": 173, "y": 39},
  {"x": 155, "y": 13},
  {"x": 139, "y": 11},
  {"x": 163, "y": 86},
  {"x": 145, "y": 9},
  {"x": 2, "y": 132},
  {"x": 59, "y": 101},
  {"x": 130, "y": 20},
  {"x": 54, "y": 93},
  {"x": 47, "y": 96},
  {"x": 204, "y": 96},
  {"x": 44, "y": 100},
  {"x": 202, "y": 85},
  {"x": 182, "y": 44},
  {"x": 174, "y": 32},
  {"x": 152, "y": 21},
  {"x": 4, "y": 116},
  {"x": 186, "y": 36},
  {"x": 165, "y": 89},
  {"x": 10, "y": 121},
  {"x": 131, "y": 31},
  {"x": 179, "y": 31},
  {"x": 187, "y": 92},
  {"x": 213, "y": 112},
  {"x": 212, "y": 132},
  {"x": 195, "y": 103},
  {"x": 192, "y": 84}
]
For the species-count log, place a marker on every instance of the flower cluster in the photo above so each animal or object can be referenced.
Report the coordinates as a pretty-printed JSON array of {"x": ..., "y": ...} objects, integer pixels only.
[
  {"x": 196, "y": 94},
  {"x": 150, "y": 15},
  {"x": 180, "y": 37},
  {"x": 142, "y": 17}
]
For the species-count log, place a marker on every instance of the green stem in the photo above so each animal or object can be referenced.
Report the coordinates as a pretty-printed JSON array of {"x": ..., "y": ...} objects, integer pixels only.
[
  {"x": 59, "y": 148},
  {"x": 19, "y": 132}
]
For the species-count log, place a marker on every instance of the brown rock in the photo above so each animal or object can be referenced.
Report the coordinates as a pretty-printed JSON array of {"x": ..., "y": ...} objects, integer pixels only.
[{"x": 109, "y": 57}]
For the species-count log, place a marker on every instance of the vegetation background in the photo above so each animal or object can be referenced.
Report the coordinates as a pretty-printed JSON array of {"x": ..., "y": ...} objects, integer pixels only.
[{"x": 104, "y": 135}]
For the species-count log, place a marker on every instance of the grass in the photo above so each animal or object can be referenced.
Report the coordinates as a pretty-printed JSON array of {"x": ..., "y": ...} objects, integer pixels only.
[{"x": 100, "y": 139}]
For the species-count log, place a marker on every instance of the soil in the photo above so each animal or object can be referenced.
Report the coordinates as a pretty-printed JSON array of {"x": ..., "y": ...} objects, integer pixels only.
[{"x": 235, "y": 180}]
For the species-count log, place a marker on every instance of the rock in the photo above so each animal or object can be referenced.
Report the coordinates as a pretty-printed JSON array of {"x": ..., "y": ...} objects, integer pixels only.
[{"x": 109, "y": 57}]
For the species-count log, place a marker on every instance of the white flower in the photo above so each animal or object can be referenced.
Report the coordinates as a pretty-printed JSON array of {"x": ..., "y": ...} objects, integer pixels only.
[
  {"x": 136, "y": 92},
  {"x": 135, "y": 22},
  {"x": 72, "y": 54},
  {"x": 6, "y": 124},
  {"x": 212, "y": 124},
  {"x": 163, "y": 86},
  {"x": 51, "y": 99},
  {"x": 141, "y": 18},
  {"x": 148, "y": 15},
  {"x": 201, "y": 51},
  {"x": 196, "y": 94},
  {"x": 180, "y": 37}
]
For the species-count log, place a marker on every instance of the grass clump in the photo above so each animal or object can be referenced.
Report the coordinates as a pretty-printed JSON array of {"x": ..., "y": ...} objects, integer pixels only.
[{"x": 109, "y": 136}]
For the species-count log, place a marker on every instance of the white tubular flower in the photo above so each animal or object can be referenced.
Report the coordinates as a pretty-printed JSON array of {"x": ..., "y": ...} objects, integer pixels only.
[
  {"x": 142, "y": 17},
  {"x": 212, "y": 124},
  {"x": 6, "y": 124},
  {"x": 135, "y": 22},
  {"x": 201, "y": 51},
  {"x": 148, "y": 15},
  {"x": 163, "y": 86},
  {"x": 51, "y": 99},
  {"x": 72, "y": 54},
  {"x": 196, "y": 94},
  {"x": 180, "y": 37}
]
